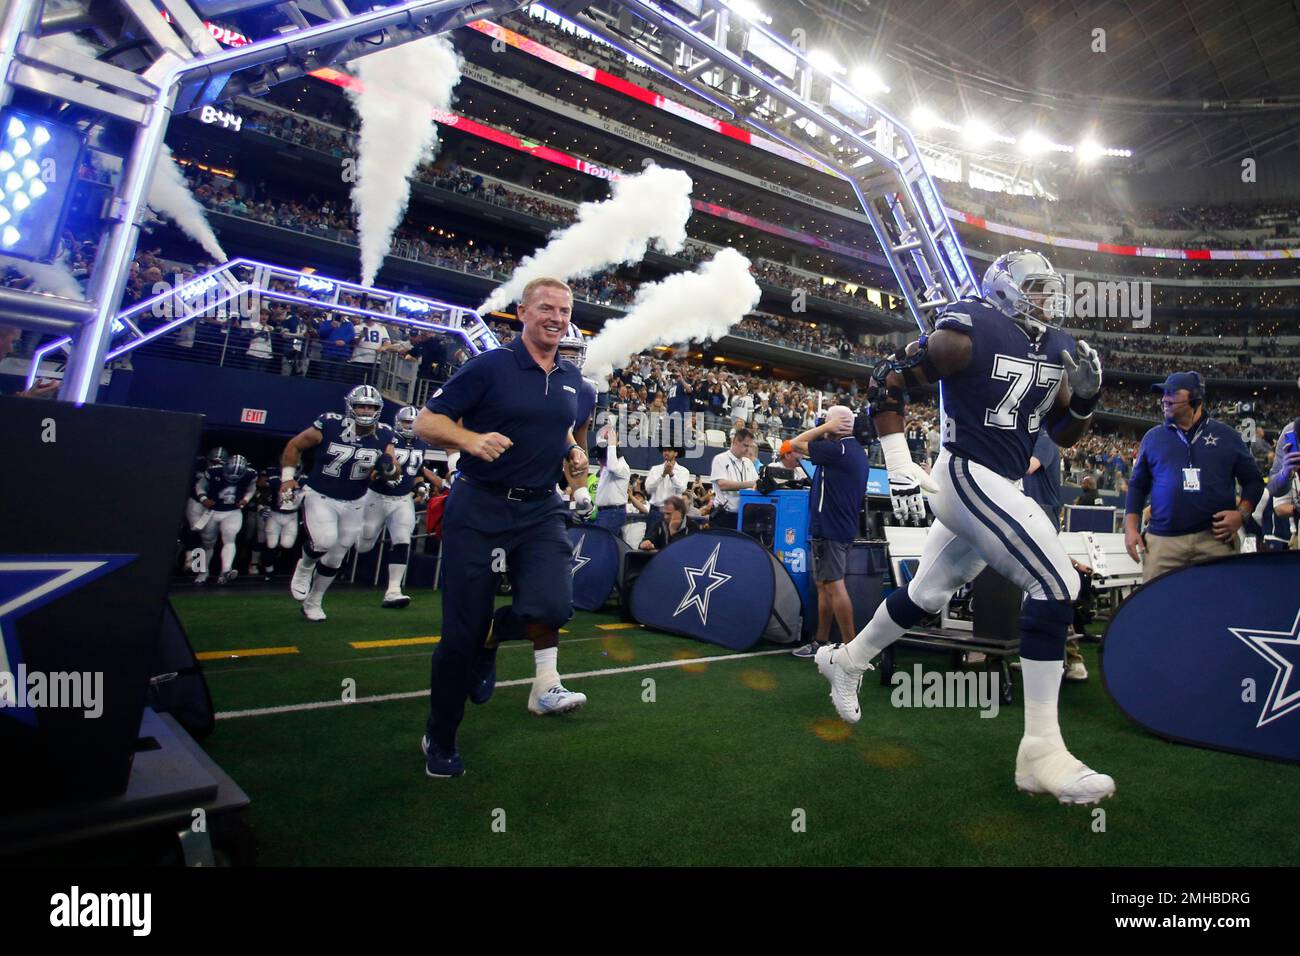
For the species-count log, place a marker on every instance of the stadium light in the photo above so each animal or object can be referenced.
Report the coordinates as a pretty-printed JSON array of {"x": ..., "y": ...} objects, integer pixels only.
[
  {"x": 32, "y": 205},
  {"x": 977, "y": 131},
  {"x": 866, "y": 81},
  {"x": 1089, "y": 150},
  {"x": 924, "y": 118},
  {"x": 748, "y": 10},
  {"x": 1034, "y": 143},
  {"x": 824, "y": 61}
]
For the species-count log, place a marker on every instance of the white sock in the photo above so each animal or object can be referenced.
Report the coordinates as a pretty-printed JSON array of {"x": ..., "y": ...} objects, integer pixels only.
[
  {"x": 319, "y": 585},
  {"x": 228, "y": 555},
  {"x": 545, "y": 661},
  {"x": 881, "y": 631},
  {"x": 1042, "y": 689},
  {"x": 307, "y": 562},
  {"x": 395, "y": 572}
]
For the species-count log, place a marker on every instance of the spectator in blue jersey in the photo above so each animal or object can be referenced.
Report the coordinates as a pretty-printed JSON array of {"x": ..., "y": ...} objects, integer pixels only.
[
  {"x": 336, "y": 337},
  {"x": 1190, "y": 468},
  {"x": 834, "y": 506}
]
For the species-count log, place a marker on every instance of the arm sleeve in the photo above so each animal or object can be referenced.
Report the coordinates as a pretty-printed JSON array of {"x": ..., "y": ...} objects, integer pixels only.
[
  {"x": 201, "y": 487},
  {"x": 680, "y": 479},
  {"x": 462, "y": 391},
  {"x": 618, "y": 466},
  {"x": 652, "y": 479},
  {"x": 1139, "y": 486},
  {"x": 718, "y": 468}
]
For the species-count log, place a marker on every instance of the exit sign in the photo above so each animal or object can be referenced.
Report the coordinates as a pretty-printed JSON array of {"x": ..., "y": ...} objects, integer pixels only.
[{"x": 253, "y": 416}]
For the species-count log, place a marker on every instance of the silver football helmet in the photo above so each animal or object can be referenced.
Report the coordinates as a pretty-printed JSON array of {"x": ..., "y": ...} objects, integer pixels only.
[
  {"x": 361, "y": 397},
  {"x": 573, "y": 347},
  {"x": 1024, "y": 286},
  {"x": 236, "y": 469},
  {"x": 404, "y": 421}
]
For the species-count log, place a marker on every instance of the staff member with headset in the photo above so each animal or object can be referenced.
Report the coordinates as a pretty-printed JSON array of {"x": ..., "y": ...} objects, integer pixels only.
[
  {"x": 511, "y": 411},
  {"x": 732, "y": 472},
  {"x": 1190, "y": 467}
]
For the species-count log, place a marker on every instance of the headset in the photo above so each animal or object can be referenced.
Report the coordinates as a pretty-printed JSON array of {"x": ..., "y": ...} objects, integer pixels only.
[{"x": 1196, "y": 396}]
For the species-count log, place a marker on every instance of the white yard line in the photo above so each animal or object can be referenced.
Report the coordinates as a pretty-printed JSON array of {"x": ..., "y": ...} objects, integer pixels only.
[{"x": 409, "y": 695}]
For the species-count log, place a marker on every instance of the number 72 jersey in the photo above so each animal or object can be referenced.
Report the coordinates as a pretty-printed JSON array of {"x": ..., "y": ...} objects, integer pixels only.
[
  {"x": 344, "y": 458},
  {"x": 994, "y": 408}
]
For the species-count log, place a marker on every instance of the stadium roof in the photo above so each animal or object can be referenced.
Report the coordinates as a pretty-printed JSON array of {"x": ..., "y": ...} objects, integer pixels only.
[{"x": 1181, "y": 82}]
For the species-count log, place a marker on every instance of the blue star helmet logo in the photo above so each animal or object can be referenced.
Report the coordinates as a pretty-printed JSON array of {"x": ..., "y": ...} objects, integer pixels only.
[
  {"x": 31, "y": 581},
  {"x": 1282, "y": 650}
]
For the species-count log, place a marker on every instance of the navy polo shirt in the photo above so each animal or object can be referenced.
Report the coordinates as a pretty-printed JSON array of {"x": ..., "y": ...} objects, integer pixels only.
[
  {"x": 504, "y": 390},
  {"x": 838, "y": 488},
  {"x": 1044, "y": 485},
  {"x": 1191, "y": 476}
]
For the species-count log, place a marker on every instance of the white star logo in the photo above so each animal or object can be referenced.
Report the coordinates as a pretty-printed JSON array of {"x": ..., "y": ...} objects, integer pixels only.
[
  {"x": 1211, "y": 439},
  {"x": 1282, "y": 650},
  {"x": 578, "y": 559},
  {"x": 701, "y": 599}
]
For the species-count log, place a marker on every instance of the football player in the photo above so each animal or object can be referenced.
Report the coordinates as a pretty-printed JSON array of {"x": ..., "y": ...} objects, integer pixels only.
[
  {"x": 1005, "y": 370},
  {"x": 390, "y": 503},
  {"x": 573, "y": 349},
  {"x": 225, "y": 497},
  {"x": 196, "y": 516},
  {"x": 350, "y": 449},
  {"x": 280, "y": 518}
]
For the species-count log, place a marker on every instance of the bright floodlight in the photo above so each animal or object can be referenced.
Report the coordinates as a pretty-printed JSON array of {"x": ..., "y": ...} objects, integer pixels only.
[
  {"x": 1089, "y": 150},
  {"x": 1034, "y": 143},
  {"x": 924, "y": 118},
  {"x": 977, "y": 131},
  {"x": 867, "y": 81},
  {"x": 748, "y": 10},
  {"x": 825, "y": 61}
]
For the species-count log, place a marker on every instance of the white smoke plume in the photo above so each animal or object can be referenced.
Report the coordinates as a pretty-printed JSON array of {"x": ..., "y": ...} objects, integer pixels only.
[
  {"x": 653, "y": 205},
  {"x": 170, "y": 196},
  {"x": 52, "y": 277},
  {"x": 687, "y": 306},
  {"x": 401, "y": 88}
]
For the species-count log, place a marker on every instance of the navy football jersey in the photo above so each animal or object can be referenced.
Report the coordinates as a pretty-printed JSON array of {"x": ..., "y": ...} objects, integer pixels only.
[
  {"x": 344, "y": 458},
  {"x": 993, "y": 409},
  {"x": 586, "y": 403},
  {"x": 410, "y": 455},
  {"x": 226, "y": 494}
]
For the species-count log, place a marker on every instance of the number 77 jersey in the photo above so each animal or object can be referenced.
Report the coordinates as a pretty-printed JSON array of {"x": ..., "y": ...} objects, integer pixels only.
[
  {"x": 993, "y": 409},
  {"x": 345, "y": 458}
]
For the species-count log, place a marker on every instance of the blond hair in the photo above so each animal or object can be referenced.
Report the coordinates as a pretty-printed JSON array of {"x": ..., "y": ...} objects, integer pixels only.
[{"x": 543, "y": 282}]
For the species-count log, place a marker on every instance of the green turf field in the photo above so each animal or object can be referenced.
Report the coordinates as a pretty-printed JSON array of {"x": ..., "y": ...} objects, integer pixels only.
[{"x": 711, "y": 772}]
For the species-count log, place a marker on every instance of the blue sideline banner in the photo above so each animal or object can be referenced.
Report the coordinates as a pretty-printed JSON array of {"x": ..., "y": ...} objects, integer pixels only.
[
  {"x": 1210, "y": 655},
  {"x": 721, "y": 587},
  {"x": 597, "y": 558}
]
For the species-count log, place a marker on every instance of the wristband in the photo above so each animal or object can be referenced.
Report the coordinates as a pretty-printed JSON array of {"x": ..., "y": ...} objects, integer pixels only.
[
  {"x": 1083, "y": 407},
  {"x": 286, "y": 473},
  {"x": 573, "y": 446}
]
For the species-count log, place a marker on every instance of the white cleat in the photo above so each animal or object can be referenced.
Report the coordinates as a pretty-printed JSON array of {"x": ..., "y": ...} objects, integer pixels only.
[
  {"x": 227, "y": 577},
  {"x": 1076, "y": 672},
  {"x": 201, "y": 578},
  {"x": 312, "y": 612},
  {"x": 1043, "y": 765},
  {"x": 834, "y": 664},
  {"x": 557, "y": 700},
  {"x": 396, "y": 599},
  {"x": 300, "y": 584}
]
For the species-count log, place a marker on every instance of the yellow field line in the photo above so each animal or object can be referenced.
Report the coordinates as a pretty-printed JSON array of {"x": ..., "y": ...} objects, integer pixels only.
[
  {"x": 395, "y": 642},
  {"x": 626, "y": 625},
  {"x": 245, "y": 652}
]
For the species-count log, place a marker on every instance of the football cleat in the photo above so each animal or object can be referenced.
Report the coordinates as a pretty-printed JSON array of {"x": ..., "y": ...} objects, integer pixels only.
[
  {"x": 439, "y": 765},
  {"x": 312, "y": 612},
  {"x": 807, "y": 650},
  {"x": 1043, "y": 765},
  {"x": 833, "y": 664},
  {"x": 1076, "y": 671},
  {"x": 396, "y": 599},
  {"x": 557, "y": 700},
  {"x": 300, "y": 583},
  {"x": 201, "y": 578},
  {"x": 227, "y": 576}
]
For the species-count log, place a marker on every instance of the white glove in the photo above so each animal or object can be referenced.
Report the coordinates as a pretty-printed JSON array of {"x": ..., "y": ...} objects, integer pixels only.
[
  {"x": 582, "y": 502},
  {"x": 1085, "y": 375},
  {"x": 907, "y": 480}
]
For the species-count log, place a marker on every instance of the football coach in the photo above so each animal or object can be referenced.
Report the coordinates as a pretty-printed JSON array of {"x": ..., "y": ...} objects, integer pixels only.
[
  {"x": 511, "y": 413},
  {"x": 1190, "y": 467}
]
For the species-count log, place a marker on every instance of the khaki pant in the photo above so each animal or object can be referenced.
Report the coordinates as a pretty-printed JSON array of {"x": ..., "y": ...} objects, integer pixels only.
[{"x": 1166, "y": 553}]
